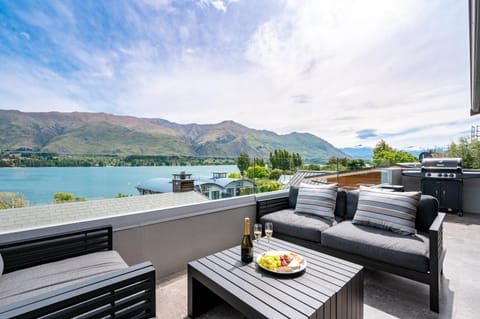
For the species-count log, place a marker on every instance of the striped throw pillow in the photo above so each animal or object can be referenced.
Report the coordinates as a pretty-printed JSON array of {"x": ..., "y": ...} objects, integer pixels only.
[
  {"x": 395, "y": 211},
  {"x": 317, "y": 200}
]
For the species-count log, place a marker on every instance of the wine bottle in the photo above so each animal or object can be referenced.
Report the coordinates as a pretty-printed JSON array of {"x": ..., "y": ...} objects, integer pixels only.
[{"x": 247, "y": 246}]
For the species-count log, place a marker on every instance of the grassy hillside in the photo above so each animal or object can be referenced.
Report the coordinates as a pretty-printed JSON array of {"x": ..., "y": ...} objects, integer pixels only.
[{"x": 100, "y": 133}]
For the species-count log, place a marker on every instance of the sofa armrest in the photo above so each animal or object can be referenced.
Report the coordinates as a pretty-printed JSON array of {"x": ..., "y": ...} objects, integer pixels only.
[
  {"x": 271, "y": 205},
  {"x": 437, "y": 252},
  {"x": 25, "y": 253},
  {"x": 125, "y": 293}
]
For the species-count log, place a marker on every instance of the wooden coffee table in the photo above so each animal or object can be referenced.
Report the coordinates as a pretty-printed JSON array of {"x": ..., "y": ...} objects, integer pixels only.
[{"x": 328, "y": 288}]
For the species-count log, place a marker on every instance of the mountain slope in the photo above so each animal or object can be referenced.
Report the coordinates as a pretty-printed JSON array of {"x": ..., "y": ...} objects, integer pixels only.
[{"x": 100, "y": 133}]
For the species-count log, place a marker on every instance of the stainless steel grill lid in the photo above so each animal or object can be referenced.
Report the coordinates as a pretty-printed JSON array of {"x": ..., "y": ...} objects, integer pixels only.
[{"x": 452, "y": 163}]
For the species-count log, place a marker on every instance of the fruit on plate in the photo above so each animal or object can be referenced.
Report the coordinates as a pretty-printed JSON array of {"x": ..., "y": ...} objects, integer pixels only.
[
  {"x": 280, "y": 262},
  {"x": 270, "y": 262}
]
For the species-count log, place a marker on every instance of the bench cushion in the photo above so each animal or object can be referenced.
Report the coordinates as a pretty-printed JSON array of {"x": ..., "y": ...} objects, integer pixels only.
[
  {"x": 304, "y": 226},
  {"x": 378, "y": 244},
  {"x": 395, "y": 211},
  {"x": 318, "y": 200},
  {"x": 33, "y": 281}
]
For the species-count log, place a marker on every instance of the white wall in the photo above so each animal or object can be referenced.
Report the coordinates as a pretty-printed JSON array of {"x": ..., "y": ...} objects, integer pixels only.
[{"x": 471, "y": 195}]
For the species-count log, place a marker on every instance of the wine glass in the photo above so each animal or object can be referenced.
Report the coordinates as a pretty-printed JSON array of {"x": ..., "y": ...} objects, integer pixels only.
[
  {"x": 268, "y": 232},
  {"x": 257, "y": 231}
]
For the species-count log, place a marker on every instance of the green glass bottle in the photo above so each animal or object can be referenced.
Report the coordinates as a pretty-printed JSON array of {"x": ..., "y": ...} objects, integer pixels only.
[{"x": 247, "y": 245}]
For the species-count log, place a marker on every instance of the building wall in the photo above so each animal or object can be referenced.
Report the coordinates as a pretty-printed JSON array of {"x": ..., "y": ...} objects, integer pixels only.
[
  {"x": 471, "y": 195},
  {"x": 354, "y": 180},
  {"x": 171, "y": 245}
]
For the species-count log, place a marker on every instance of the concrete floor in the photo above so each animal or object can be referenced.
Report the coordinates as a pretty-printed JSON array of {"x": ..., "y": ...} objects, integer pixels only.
[{"x": 385, "y": 295}]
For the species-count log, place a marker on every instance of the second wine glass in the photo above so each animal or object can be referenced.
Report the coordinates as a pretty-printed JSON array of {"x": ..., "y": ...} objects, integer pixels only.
[
  {"x": 269, "y": 232},
  {"x": 257, "y": 231}
]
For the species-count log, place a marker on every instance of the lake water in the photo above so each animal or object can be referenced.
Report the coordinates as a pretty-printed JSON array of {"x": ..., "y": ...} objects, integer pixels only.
[{"x": 39, "y": 184}]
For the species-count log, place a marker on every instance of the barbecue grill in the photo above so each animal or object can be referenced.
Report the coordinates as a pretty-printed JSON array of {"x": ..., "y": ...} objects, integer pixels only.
[{"x": 443, "y": 178}]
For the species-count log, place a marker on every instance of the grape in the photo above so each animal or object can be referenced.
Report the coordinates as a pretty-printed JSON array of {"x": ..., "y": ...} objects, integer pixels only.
[{"x": 270, "y": 262}]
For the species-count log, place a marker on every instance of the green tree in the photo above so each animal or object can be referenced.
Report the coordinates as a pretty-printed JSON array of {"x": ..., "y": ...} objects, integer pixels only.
[
  {"x": 258, "y": 172},
  {"x": 12, "y": 200},
  {"x": 384, "y": 154},
  {"x": 259, "y": 161},
  {"x": 268, "y": 186},
  {"x": 312, "y": 167},
  {"x": 356, "y": 163},
  {"x": 63, "y": 197},
  {"x": 282, "y": 159},
  {"x": 275, "y": 174},
  {"x": 468, "y": 151},
  {"x": 382, "y": 146},
  {"x": 234, "y": 175},
  {"x": 243, "y": 162}
]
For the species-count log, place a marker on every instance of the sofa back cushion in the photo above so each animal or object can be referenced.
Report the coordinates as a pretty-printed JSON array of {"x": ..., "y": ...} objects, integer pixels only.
[
  {"x": 318, "y": 200},
  {"x": 341, "y": 203},
  {"x": 395, "y": 211},
  {"x": 351, "y": 204},
  {"x": 292, "y": 196},
  {"x": 426, "y": 213}
]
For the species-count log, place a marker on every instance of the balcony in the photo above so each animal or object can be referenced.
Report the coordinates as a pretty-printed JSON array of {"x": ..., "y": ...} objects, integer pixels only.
[{"x": 171, "y": 237}]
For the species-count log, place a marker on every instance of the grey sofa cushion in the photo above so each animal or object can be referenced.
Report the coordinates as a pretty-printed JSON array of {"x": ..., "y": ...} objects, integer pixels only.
[
  {"x": 340, "y": 207},
  {"x": 318, "y": 200},
  {"x": 304, "y": 226},
  {"x": 341, "y": 203},
  {"x": 292, "y": 196},
  {"x": 33, "y": 281},
  {"x": 426, "y": 213},
  {"x": 395, "y": 211},
  {"x": 352, "y": 203},
  {"x": 378, "y": 244}
]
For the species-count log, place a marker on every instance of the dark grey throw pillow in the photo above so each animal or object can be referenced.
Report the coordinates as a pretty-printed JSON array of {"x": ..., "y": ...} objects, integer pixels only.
[
  {"x": 395, "y": 211},
  {"x": 317, "y": 200}
]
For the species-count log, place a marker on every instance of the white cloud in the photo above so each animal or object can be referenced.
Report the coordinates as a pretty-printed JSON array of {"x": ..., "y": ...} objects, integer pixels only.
[
  {"x": 217, "y": 4},
  {"x": 25, "y": 35},
  {"x": 331, "y": 68},
  {"x": 34, "y": 89}
]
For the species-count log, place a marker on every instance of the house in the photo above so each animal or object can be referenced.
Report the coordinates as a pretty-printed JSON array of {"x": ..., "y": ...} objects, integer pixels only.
[{"x": 221, "y": 186}]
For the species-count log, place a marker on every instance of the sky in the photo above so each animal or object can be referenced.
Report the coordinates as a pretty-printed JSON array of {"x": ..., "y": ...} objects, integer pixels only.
[{"x": 350, "y": 72}]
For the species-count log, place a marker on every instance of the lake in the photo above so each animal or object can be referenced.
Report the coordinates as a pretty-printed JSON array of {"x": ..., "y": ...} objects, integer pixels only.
[{"x": 39, "y": 184}]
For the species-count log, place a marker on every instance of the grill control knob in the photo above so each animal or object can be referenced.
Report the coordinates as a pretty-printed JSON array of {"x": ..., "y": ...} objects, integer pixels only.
[
  {"x": 452, "y": 175},
  {"x": 429, "y": 174}
]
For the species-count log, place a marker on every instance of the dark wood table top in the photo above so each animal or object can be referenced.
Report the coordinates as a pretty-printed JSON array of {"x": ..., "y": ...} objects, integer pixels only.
[{"x": 259, "y": 293}]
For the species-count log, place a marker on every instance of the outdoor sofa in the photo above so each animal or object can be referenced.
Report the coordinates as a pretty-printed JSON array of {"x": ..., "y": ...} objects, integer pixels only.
[
  {"x": 73, "y": 274},
  {"x": 418, "y": 256}
]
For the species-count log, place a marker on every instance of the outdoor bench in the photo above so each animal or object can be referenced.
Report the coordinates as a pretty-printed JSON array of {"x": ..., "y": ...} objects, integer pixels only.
[
  {"x": 73, "y": 274},
  {"x": 418, "y": 257}
]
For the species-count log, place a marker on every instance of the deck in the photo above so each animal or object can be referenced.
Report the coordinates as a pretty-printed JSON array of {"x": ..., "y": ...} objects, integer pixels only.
[{"x": 386, "y": 295}]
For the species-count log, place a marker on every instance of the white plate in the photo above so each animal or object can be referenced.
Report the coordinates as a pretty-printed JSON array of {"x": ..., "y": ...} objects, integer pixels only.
[{"x": 301, "y": 267}]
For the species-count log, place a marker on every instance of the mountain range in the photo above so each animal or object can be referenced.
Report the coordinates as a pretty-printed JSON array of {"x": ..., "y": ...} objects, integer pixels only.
[{"x": 100, "y": 133}]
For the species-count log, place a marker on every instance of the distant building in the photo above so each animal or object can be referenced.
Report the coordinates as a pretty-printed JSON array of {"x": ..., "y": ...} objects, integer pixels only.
[
  {"x": 155, "y": 186},
  {"x": 223, "y": 187},
  {"x": 182, "y": 182},
  {"x": 216, "y": 187}
]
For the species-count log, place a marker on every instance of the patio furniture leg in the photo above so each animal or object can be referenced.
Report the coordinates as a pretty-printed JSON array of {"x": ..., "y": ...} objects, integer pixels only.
[{"x": 434, "y": 291}]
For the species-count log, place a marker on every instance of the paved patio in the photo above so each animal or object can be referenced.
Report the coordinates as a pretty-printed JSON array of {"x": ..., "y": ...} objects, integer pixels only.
[{"x": 386, "y": 296}]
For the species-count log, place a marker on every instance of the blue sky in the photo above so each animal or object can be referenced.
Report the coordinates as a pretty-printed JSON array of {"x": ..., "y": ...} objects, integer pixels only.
[{"x": 351, "y": 72}]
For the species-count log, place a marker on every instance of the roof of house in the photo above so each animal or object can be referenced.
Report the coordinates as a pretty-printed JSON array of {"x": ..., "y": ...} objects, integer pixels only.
[
  {"x": 55, "y": 214},
  {"x": 300, "y": 175}
]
